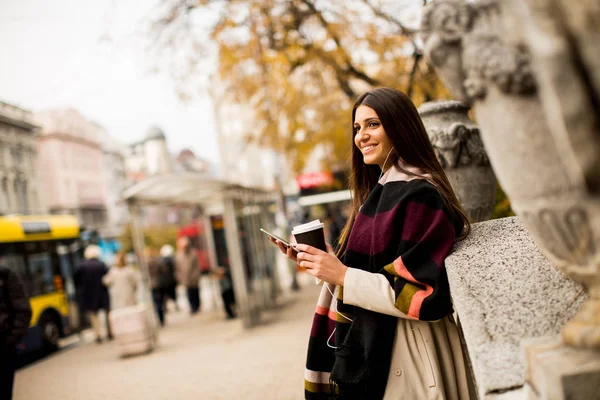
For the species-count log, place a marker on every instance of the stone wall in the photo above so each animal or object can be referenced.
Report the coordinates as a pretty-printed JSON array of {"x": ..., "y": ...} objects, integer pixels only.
[{"x": 504, "y": 291}]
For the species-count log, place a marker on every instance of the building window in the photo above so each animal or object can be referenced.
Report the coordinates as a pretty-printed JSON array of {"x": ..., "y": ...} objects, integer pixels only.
[
  {"x": 17, "y": 156},
  {"x": 16, "y": 195},
  {"x": 5, "y": 194},
  {"x": 24, "y": 197}
]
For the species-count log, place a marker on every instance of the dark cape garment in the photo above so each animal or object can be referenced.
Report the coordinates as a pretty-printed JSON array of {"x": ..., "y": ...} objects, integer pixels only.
[{"x": 88, "y": 279}]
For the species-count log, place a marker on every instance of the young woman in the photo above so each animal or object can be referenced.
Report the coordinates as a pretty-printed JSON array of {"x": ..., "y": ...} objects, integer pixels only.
[{"x": 383, "y": 327}]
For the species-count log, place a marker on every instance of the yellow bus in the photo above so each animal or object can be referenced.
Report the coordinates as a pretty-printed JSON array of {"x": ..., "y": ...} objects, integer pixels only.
[{"x": 43, "y": 250}]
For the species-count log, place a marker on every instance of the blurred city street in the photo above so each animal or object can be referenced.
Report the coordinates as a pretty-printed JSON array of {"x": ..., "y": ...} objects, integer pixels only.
[
  {"x": 174, "y": 176},
  {"x": 202, "y": 357}
]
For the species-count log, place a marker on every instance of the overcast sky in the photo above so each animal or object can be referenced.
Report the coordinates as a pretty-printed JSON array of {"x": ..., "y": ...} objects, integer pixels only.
[{"x": 91, "y": 55}]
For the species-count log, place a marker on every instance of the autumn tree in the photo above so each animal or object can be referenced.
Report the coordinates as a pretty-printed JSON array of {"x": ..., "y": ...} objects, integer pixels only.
[
  {"x": 154, "y": 236},
  {"x": 299, "y": 64}
]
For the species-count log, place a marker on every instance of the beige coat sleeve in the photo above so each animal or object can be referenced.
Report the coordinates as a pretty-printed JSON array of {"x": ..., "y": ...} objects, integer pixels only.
[
  {"x": 371, "y": 292},
  {"x": 107, "y": 279}
]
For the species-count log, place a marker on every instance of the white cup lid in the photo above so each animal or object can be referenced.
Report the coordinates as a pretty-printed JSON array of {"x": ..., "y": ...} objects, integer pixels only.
[{"x": 309, "y": 226}]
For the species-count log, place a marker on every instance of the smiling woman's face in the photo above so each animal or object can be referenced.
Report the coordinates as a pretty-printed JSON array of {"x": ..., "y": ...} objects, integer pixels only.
[{"x": 370, "y": 137}]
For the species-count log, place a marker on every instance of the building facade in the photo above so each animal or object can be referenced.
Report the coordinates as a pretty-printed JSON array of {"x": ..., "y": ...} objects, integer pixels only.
[
  {"x": 149, "y": 157},
  {"x": 19, "y": 180},
  {"x": 115, "y": 179},
  {"x": 187, "y": 161},
  {"x": 71, "y": 165}
]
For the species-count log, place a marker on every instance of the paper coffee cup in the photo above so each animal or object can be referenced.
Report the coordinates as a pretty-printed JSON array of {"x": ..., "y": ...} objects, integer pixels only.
[{"x": 312, "y": 234}]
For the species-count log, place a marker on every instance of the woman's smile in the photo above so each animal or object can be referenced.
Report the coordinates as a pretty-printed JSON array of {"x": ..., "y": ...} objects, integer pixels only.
[{"x": 367, "y": 149}]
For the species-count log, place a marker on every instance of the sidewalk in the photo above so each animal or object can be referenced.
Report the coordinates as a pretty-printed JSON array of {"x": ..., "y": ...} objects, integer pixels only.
[{"x": 202, "y": 358}]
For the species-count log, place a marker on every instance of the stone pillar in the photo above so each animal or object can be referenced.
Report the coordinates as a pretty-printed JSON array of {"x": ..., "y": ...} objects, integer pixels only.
[
  {"x": 459, "y": 149},
  {"x": 246, "y": 302},
  {"x": 139, "y": 246},
  {"x": 531, "y": 70}
]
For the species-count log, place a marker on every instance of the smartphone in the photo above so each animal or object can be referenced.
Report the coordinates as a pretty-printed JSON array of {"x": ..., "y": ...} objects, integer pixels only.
[{"x": 285, "y": 242}]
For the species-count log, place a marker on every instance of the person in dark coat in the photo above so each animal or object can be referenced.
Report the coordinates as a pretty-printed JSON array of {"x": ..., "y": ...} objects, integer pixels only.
[
  {"x": 187, "y": 272},
  {"x": 88, "y": 279},
  {"x": 15, "y": 313},
  {"x": 167, "y": 253},
  {"x": 159, "y": 276},
  {"x": 227, "y": 293}
]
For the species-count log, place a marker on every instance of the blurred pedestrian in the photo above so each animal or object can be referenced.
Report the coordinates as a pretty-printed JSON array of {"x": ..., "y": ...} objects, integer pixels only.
[
  {"x": 122, "y": 283},
  {"x": 333, "y": 228},
  {"x": 227, "y": 293},
  {"x": 95, "y": 298},
  {"x": 15, "y": 313},
  {"x": 188, "y": 272},
  {"x": 383, "y": 326},
  {"x": 159, "y": 276},
  {"x": 167, "y": 253}
]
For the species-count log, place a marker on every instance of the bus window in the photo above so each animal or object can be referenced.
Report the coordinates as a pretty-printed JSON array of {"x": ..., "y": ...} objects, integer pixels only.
[
  {"x": 76, "y": 252},
  {"x": 42, "y": 277},
  {"x": 14, "y": 261},
  {"x": 66, "y": 269}
]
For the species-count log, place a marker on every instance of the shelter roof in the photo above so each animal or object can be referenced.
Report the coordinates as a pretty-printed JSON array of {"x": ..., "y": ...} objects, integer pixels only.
[
  {"x": 155, "y": 133},
  {"x": 189, "y": 188}
]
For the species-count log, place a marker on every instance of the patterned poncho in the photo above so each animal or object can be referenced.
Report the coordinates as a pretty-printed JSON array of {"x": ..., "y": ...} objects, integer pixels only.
[{"x": 403, "y": 231}]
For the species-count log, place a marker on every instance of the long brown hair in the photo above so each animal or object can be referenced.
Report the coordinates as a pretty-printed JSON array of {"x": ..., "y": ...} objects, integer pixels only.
[
  {"x": 121, "y": 259},
  {"x": 403, "y": 126}
]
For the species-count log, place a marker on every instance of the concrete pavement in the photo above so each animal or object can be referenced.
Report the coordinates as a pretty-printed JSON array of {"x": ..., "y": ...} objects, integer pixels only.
[{"x": 202, "y": 358}]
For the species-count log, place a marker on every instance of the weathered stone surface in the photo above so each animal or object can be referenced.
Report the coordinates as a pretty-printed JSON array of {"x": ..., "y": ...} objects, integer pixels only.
[
  {"x": 559, "y": 372},
  {"x": 562, "y": 39},
  {"x": 459, "y": 149},
  {"x": 504, "y": 290},
  {"x": 529, "y": 71}
]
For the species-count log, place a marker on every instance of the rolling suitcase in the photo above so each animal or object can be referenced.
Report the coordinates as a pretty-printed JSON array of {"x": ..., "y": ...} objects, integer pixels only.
[{"x": 134, "y": 330}]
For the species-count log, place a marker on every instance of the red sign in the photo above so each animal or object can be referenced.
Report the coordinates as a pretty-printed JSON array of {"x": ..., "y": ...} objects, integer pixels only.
[{"x": 314, "y": 179}]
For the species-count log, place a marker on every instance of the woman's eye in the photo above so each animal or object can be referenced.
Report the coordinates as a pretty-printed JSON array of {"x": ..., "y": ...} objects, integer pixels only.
[{"x": 373, "y": 124}]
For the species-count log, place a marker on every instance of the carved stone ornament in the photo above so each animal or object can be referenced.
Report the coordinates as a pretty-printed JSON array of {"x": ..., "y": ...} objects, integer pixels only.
[
  {"x": 459, "y": 149},
  {"x": 531, "y": 70},
  {"x": 461, "y": 36}
]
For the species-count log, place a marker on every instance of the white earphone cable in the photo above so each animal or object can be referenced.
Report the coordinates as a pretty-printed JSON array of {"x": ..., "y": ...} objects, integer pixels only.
[
  {"x": 383, "y": 166},
  {"x": 336, "y": 310}
]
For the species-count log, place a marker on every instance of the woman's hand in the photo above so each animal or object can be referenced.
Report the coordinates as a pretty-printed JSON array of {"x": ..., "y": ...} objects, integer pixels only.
[
  {"x": 321, "y": 265},
  {"x": 288, "y": 251}
]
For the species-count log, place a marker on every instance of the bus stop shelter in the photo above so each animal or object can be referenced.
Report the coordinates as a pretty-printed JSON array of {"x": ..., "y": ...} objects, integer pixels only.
[{"x": 244, "y": 210}]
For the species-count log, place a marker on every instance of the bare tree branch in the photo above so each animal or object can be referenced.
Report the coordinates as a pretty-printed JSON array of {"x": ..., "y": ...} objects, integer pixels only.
[
  {"x": 349, "y": 68},
  {"x": 411, "y": 78},
  {"x": 408, "y": 32}
]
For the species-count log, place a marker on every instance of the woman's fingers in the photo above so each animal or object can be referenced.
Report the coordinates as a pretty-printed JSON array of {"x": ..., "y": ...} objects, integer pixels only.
[
  {"x": 306, "y": 264},
  {"x": 283, "y": 248},
  {"x": 291, "y": 253},
  {"x": 306, "y": 256},
  {"x": 308, "y": 249},
  {"x": 330, "y": 249}
]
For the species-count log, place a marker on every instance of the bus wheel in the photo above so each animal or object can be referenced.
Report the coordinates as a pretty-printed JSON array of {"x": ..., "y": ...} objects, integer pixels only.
[{"x": 50, "y": 332}]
